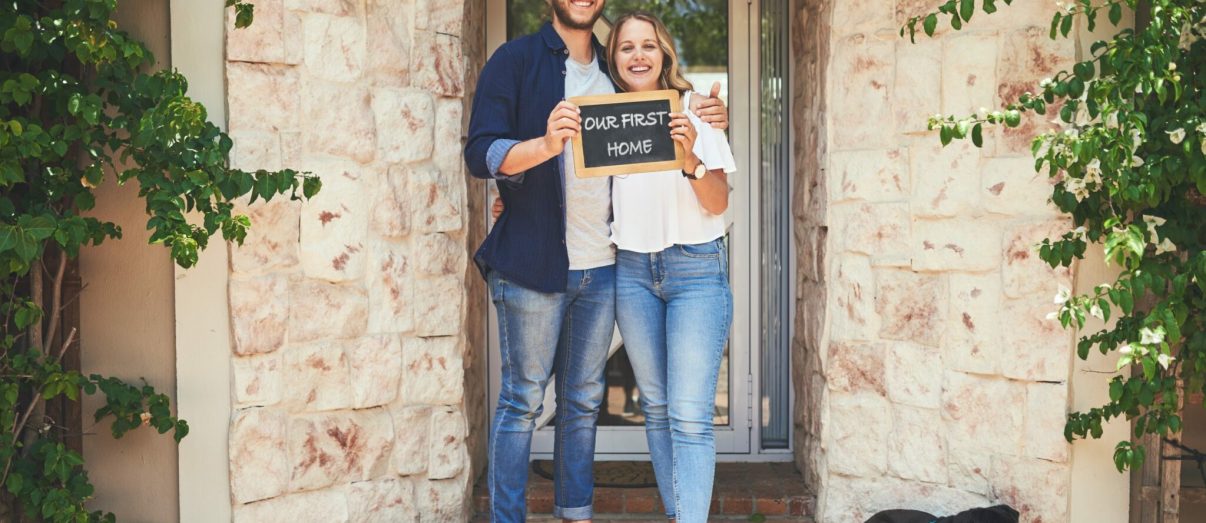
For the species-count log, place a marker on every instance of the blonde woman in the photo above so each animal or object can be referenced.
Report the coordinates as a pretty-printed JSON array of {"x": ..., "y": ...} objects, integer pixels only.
[{"x": 673, "y": 301}]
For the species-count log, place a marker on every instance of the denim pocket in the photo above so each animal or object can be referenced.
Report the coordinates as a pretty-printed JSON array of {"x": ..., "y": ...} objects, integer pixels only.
[{"x": 701, "y": 250}]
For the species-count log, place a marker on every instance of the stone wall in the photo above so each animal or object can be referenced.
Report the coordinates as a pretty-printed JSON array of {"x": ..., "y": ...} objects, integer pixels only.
[
  {"x": 930, "y": 379},
  {"x": 349, "y": 310}
]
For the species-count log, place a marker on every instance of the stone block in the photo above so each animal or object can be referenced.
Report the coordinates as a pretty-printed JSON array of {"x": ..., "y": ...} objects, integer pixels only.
[
  {"x": 440, "y": 16},
  {"x": 432, "y": 371},
  {"x": 1038, "y": 488},
  {"x": 412, "y": 427},
  {"x": 969, "y": 80},
  {"x": 259, "y": 463},
  {"x": 1046, "y": 413},
  {"x": 855, "y": 368},
  {"x": 334, "y": 224},
  {"x": 318, "y": 376},
  {"x": 879, "y": 230},
  {"x": 257, "y": 379},
  {"x": 437, "y": 199},
  {"x": 858, "y": 430},
  {"x": 339, "y": 120},
  {"x": 330, "y": 7},
  {"x": 323, "y": 506},
  {"x": 275, "y": 37},
  {"x": 874, "y": 176},
  {"x": 917, "y": 448},
  {"x": 852, "y": 300},
  {"x": 406, "y": 124},
  {"x": 381, "y": 501},
  {"x": 946, "y": 180},
  {"x": 1035, "y": 348},
  {"x": 320, "y": 310},
  {"x": 449, "y": 455},
  {"x": 391, "y": 291},
  {"x": 375, "y": 363},
  {"x": 970, "y": 470},
  {"x": 911, "y": 306},
  {"x": 1010, "y": 186},
  {"x": 975, "y": 420},
  {"x": 856, "y": 499},
  {"x": 956, "y": 245},
  {"x": 391, "y": 213},
  {"x": 259, "y": 309},
  {"x": 334, "y": 47},
  {"x": 262, "y": 97},
  {"x": 1024, "y": 274},
  {"x": 389, "y": 23},
  {"x": 437, "y": 64},
  {"x": 442, "y": 500},
  {"x": 863, "y": 71},
  {"x": 972, "y": 342},
  {"x": 863, "y": 16},
  {"x": 441, "y": 255},
  {"x": 1027, "y": 56},
  {"x": 329, "y": 448},
  {"x": 448, "y": 133},
  {"x": 439, "y": 305},
  {"x": 253, "y": 150},
  {"x": 911, "y": 375},
  {"x": 272, "y": 241},
  {"x": 917, "y": 92}
]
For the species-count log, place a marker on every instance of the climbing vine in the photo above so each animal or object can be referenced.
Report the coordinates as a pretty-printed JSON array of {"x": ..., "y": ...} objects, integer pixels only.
[
  {"x": 1129, "y": 161},
  {"x": 80, "y": 107}
]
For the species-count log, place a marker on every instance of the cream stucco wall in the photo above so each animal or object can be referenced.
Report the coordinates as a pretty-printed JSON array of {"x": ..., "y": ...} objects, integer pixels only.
[
  {"x": 203, "y": 326},
  {"x": 126, "y": 327}
]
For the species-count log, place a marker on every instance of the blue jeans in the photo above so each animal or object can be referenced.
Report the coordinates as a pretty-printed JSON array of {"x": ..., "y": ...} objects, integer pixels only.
[
  {"x": 674, "y": 309},
  {"x": 540, "y": 334}
]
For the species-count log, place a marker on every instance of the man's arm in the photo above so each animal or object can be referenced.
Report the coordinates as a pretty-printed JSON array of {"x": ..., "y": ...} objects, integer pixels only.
[
  {"x": 563, "y": 124},
  {"x": 711, "y": 109},
  {"x": 492, "y": 119}
]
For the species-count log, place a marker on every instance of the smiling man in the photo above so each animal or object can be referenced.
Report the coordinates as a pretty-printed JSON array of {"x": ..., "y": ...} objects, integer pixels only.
[{"x": 548, "y": 261}]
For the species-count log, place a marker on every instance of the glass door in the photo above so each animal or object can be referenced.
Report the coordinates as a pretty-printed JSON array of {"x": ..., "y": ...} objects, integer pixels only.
[{"x": 712, "y": 37}]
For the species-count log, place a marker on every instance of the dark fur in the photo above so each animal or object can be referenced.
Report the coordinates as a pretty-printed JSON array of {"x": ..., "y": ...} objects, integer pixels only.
[{"x": 997, "y": 514}]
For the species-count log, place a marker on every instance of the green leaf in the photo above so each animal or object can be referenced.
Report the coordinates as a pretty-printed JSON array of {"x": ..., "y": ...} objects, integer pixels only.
[
  {"x": 990, "y": 6},
  {"x": 977, "y": 135},
  {"x": 1065, "y": 26},
  {"x": 1055, "y": 25},
  {"x": 1116, "y": 13},
  {"x": 944, "y": 134},
  {"x": 929, "y": 24},
  {"x": 966, "y": 9}
]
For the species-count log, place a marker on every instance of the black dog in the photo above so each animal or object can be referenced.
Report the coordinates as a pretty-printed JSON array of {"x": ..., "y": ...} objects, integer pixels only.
[{"x": 997, "y": 514}]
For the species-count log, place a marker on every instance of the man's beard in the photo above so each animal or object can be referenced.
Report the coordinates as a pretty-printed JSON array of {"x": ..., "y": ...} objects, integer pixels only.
[{"x": 561, "y": 11}]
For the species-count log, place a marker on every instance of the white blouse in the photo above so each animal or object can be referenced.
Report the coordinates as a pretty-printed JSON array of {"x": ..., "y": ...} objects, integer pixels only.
[{"x": 653, "y": 211}]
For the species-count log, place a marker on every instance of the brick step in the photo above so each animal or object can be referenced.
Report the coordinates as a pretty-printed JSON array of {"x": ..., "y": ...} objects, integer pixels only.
[{"x": 743, "y": 492}]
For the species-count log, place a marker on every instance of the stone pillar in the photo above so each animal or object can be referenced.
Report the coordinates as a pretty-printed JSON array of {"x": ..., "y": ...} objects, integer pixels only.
[
  {"x": 349, "y": 310},
  {"x": 929, "y": 378}
]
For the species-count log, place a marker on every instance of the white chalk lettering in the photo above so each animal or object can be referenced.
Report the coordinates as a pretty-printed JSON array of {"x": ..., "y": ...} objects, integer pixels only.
[{"x": 617, "y": 149}]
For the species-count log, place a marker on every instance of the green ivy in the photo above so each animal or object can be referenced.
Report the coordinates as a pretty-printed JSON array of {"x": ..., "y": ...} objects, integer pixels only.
[
  {"x": 1130, "y": 165},
  {"x": 81, "y": 107}
]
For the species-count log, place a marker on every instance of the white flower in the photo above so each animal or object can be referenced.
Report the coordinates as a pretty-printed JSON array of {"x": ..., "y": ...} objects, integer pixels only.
[
  {"x": 1201, "y": 128},
  {"x": 1093, "y": 171},
  {"x": 1136, "y": 139},
  {"x": 1153, "y": 222},
  {"x": 1151, "y": 336},
  {"x": 1096, "y": 312},
  {"x": 1077, "y": 187},
  {"x": 1045, "y": 83},
  {"x": 1126, "y": 349},
  {"x": 1079, "y": 233},
  {"x": 1203, "y": 146},
  {"x": 1164, "y": 246},
  {"x": 1112, "y": 120},
  {"x": 1062, "y": 296},
  {"x": 1052, "y": 316},
  {"x": 1176, "y": 136},
  {"x": 1104, "y": 287},
  {"x": 1164, "y": 360},
  {"x": 1172, "y": 66},
  {"x": 1137, "y": 161}
]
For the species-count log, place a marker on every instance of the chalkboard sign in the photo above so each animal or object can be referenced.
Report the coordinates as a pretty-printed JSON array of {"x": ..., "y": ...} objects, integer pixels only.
[{"x": 626, "y": 133}]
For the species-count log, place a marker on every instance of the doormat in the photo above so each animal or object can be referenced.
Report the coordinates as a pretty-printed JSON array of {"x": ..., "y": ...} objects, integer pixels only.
[{"x": 609, "y": 474}]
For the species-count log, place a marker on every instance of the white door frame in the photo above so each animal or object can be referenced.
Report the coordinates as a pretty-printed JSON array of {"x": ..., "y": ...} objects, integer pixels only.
[{"x": 738, "y": 440}]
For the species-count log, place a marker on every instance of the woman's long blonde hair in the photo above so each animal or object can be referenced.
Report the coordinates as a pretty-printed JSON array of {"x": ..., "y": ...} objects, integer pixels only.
[{"x": 670, "y": 76}]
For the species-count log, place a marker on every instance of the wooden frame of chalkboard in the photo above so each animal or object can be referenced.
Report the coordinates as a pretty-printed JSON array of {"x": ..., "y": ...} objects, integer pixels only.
[{"x": 647, "y": 103}]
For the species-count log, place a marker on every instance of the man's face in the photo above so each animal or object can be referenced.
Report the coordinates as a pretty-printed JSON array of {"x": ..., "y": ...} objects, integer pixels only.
[{"x": 578, "y": 14}]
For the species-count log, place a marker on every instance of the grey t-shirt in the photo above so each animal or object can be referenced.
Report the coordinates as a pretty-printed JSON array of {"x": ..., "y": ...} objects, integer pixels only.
[{"x": 587, "y": 200}]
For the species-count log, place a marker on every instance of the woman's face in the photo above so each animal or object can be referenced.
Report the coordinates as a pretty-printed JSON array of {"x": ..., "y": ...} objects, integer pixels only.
[{"x": 638, "y": 56}]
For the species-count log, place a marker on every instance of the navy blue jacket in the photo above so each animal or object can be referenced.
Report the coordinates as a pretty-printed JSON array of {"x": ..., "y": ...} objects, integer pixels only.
[{"x": 520, "y": 85}]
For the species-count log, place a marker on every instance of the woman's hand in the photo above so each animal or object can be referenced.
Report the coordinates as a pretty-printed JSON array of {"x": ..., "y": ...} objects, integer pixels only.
[
  {"x": 683, "y": 132},
  {"x": 564, "y": 124}
]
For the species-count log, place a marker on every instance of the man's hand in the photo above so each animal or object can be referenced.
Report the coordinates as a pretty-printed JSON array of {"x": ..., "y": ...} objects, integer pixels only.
[
  {"x": 711, "y": 109},
  {"x": 496, "y": 209},
  {"x": 564, "y": 124}
]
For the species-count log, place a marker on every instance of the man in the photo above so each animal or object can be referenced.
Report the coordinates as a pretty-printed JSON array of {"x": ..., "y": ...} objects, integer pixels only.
[{"x": 548, "y": 260}]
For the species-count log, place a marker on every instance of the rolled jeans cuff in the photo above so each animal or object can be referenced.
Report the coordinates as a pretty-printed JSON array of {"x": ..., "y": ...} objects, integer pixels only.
[{"x": 574, "y": 514}]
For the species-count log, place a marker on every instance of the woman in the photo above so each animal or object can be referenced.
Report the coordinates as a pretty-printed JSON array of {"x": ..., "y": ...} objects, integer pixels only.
[{"x": 673, "y": 302}]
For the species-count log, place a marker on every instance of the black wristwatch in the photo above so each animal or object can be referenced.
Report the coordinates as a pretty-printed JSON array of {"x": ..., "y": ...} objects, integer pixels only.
[{"x": 700, "y": 172}]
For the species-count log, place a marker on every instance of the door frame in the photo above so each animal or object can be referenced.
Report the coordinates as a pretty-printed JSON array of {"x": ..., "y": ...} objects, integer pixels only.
[{"x": 739, "y": 440}]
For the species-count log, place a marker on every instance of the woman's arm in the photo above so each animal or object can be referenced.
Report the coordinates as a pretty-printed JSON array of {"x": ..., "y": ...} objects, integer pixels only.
[{"x": 712, "y": 190}]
